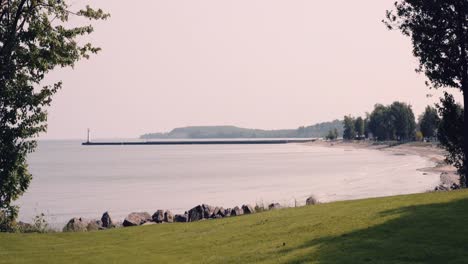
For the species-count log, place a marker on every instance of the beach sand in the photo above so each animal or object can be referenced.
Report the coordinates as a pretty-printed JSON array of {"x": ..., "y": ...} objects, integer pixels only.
[{"x": 430, "y": 151}]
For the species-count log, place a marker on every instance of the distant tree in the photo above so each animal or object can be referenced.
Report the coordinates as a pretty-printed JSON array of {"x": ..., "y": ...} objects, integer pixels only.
[
  {"x": 394, "y": 122},
  {"x": 429, "y": 122},
  {"x": 336, "y": 133},
  {"x": 404, "y": 123},
  {"x": 359, "y": 127},
  {"x": 450, "y": 134},
  {"x": 439, "y": 33},
  {"x": 349, "y": 132},
  {"x": 380, "y": 123},
  {"x": 366, "y": 126},
  {"x": 332, "y": 134},
  {"x": 34, "y": 40}
]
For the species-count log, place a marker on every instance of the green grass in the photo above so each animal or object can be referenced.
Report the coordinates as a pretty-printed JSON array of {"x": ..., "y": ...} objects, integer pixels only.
[{"x": 423, "y": 228}]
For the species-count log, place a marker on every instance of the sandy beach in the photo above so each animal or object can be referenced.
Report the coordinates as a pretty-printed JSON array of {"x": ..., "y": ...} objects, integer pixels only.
[{"x": 430, "y": 151}]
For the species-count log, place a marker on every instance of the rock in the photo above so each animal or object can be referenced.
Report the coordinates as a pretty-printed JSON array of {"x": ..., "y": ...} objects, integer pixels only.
[
  {"x": 442, "y": 188},
  {"x": 248, "y": 209},
  {"x": 94, "y": 225},
  {"x": 208, "y": 210},
  {"x": 136, "y": 219},
  {"x": 227, "y": 212},
  {"x": 274, "y": 206},
  {"x": 311, "y": 201},
  {"x": 215, "y": 212},
  {"x": 236, "y": 211},
  {"x": 76, "y": 225},
  {"x": 196, "y": 213},
  {"x": 221, "y": 212},
  {"x": 26, "y": 227},
  {"x": 181, "y": 218},
  {"x": 168, "y": 217},
  {"x": 107, "y": 221},
  {"x": 158, "y": 217},
  {"x": 149, "y": 223}
]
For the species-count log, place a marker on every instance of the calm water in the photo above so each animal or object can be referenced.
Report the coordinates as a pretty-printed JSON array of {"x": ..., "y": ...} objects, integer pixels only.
[{"x": 71, "y": 180}]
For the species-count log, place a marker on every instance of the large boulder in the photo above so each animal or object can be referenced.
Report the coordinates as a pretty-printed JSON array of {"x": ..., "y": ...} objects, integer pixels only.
[
  {"x": 236, "y": 211},
  {"x": 208, "y": 211},
  {"x": 227, "y": 212},
  {"x": 76, "y": 225},
  {"x": 158, "y": 217},
  {"x": 274, "y": 206},
  {"x": 168, "y": 217},
  {"x": 195, "y": 214},
  {"x": 94, "y": 225},
  {"x": 215, "y": 212},
  {"x": 248, "y": 209},
  {"x": 136, "y": 219},
  {"x": 107, "y": 221},
  {"x": 179, "y": 218},
  {"x": 220, "y": 212}
]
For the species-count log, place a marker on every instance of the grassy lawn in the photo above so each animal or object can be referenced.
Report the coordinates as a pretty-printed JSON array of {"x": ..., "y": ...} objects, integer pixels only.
[{"x": 423, "y": 228}]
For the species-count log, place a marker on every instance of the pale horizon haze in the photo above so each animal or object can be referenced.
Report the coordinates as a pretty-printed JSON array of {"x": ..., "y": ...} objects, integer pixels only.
[{"x": 264, "y": 64}]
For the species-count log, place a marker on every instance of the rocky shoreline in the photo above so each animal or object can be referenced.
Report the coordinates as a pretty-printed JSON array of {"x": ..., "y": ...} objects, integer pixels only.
[{"x": 197, "y": 213}]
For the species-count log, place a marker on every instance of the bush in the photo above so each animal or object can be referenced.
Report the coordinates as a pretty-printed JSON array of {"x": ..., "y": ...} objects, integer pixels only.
[{"x": 39, "y": 225}]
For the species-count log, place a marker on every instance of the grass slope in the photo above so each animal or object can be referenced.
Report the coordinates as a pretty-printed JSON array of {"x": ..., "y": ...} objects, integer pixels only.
[{"x": 423, "y": 228}]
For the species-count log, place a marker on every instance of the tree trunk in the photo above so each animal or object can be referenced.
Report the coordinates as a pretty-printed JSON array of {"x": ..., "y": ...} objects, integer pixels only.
[{"x": 463, "y": 182}]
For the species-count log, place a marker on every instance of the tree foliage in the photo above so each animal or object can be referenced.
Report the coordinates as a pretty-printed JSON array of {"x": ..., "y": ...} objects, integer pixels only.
[
  {"x": 451, "y": 134},
  {"x": 359, "y": 126},
  {"x": 439, "y": 33},
  {"x": 393, "y": 122},
  {"x": 403, "y": 120},
  {"x": 332, "y": 134},
  {"x": 380, "y": 124},
  {"x": 349, "y": 132},
  {"x": 34, "y": 40},
  {"x": 429, "y": 122}
]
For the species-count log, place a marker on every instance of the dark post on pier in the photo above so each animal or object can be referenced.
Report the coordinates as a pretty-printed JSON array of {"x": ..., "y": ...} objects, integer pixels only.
[{"x": 88, "y": 138}]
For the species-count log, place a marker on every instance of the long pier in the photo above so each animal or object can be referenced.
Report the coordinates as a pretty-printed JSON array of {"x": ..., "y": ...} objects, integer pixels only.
[{"x": 200, "y": 142}]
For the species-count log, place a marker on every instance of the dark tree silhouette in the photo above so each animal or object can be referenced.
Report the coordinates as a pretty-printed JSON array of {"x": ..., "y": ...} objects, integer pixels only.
[
  {"x": 34, "y": 39},
  {"x": 429, "y": 122},
  {"x": 439, "y": 33},
  {"x": 451, "y": 134}
]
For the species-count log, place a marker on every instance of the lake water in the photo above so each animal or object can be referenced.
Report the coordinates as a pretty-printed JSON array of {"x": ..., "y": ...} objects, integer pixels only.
[{"x": 72, "y": 180}]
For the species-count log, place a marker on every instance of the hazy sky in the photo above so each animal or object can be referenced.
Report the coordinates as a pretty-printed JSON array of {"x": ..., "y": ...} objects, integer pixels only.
[{"x": 252, "y": 63}]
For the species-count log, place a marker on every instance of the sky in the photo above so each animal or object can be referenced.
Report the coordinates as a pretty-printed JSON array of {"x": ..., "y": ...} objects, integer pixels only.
[{"x": 267, "y": 64}]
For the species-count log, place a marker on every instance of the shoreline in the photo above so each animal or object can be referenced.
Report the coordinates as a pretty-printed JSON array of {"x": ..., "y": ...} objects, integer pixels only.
[{"x": 429, "y": 151}]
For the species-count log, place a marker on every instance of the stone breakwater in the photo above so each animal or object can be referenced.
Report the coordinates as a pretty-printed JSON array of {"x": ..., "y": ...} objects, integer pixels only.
[{"x": 197, "y": 213}]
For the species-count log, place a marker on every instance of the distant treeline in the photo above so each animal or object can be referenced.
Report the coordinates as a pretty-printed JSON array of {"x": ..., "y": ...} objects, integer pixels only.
[
  {"x": 391, "y": 122},
  {"x": 204, "y": 132}
]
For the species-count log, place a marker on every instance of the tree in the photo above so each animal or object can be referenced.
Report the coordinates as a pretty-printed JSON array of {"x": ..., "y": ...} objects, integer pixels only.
[
  {"x": 451, "y": 134},
  {"x": 428, "y": 122},
  {"x": 439, "y": 33},
  {"x": 394, "y": 122},
  {"x": 34, "y": 40},
  {"x": 366, "y": 126},
  {"x": 404, "y": 124},
  {"x": 349, "y": 132},
  {"x": 359, "y": 127},
  {"x": 332, "y": 134},
  {"x": 380, "y": 124}
]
